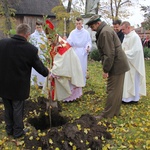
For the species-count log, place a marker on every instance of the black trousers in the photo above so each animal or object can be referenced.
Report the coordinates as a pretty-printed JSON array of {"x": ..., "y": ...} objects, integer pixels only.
[{"x": 14, "y": 112}]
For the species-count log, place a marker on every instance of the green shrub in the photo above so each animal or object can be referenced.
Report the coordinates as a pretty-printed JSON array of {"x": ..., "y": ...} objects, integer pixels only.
[
  {"x": 146, "y": 52},
  {"x": 95, "y": 55},
  {"x": 12, "y": 32}
]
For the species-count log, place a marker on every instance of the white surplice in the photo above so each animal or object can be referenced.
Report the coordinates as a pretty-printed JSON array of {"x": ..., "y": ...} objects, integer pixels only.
[
  {"x": 80, "y": 40},
  {"x": 39, "y": 40},
  {"x": 135, "y": 81},
  {"x": 69, "y": 74}
]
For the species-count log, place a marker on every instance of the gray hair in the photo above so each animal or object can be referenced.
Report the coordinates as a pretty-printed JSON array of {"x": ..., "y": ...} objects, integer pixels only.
[{"x": 23, "y": 29}]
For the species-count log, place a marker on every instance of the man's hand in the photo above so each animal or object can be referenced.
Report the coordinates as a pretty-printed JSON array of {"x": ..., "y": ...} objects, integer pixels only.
[
  {"x": 50, "y": 77},
  {"x": 105, "y": 75},
  {"x": 88, "y": 49}
]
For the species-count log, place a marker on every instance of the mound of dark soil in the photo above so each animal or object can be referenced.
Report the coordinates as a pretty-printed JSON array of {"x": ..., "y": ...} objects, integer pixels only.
[
  {"x": 50, "y": 132},
  {"x": 81, "y": 134}
]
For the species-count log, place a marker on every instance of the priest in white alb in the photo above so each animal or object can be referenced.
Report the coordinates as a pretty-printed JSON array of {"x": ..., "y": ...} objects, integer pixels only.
[{"x": 135, "y": 80}]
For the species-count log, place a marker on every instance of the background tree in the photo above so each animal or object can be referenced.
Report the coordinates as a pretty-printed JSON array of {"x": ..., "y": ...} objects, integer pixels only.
[
  {"x": 115, "y": 9},
  {"x": 117, "y": 4},
  {"x": 65, "y": 15},
  {"x": 108, "y": 9},
  {"x": 7, "y": 14},
  {"x": 146, "y": 10}
]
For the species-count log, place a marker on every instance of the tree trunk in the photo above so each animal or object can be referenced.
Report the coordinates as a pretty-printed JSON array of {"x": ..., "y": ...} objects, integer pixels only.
[
  {"x": 68, "y": 21},
  {"x": 97, "y": 8},
  {"x": 7, "y": 15}
]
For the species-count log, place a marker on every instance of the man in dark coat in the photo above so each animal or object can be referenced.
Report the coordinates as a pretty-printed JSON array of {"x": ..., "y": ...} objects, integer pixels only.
[
  {"x": 17, "y": 57},
  {"x": 114, "y": 63}
]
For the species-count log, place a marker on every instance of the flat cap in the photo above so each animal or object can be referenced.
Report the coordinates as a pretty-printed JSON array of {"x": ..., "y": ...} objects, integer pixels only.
[{"x": 93, "y": 20}]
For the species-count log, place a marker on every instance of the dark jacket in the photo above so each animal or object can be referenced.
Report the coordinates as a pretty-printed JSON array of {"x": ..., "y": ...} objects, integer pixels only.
[
  {"x": 120, "y": 35},
  {"x": 113, "y": 58},
  {"x": 17, "y": 57}
]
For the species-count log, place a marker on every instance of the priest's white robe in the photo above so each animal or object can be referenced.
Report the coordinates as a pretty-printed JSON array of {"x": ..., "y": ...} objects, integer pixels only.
[
  {"x": 39, "y": 40},
  {"x": 80, "y": 40},
  {"x": 68, "y": 70},
  {"x": 135, "y": 80}
]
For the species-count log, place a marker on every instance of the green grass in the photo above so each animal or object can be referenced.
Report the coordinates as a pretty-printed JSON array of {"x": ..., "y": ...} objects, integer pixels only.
[{"x": 130, "y": 131}]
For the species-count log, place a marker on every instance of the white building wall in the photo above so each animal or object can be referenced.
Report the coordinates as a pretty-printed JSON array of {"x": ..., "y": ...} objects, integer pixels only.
[{"x": 92, "y": 33}]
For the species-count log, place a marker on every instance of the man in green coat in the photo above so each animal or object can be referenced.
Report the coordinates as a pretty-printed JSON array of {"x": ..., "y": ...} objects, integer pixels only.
[{"x": 114, "y": 63}]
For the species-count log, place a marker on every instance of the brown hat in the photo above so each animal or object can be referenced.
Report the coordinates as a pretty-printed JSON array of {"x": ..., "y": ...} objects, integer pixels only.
[{"x": 93, "y": 20}]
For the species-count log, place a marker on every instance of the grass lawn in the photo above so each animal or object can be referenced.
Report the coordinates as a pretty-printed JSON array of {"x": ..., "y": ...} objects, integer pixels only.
[{"x": 130, "y": 131}]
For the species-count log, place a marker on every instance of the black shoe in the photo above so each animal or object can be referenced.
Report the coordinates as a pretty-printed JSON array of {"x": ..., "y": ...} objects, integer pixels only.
[
  {"x": 22, "y": 134},
  {"x": 19, "y": 136},
  {"x": 9, "y": 133},
  {"x": 131, "y": 102}
]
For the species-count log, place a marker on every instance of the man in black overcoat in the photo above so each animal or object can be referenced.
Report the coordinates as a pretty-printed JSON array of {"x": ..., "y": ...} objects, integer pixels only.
[{"x": 17, "y": 57}]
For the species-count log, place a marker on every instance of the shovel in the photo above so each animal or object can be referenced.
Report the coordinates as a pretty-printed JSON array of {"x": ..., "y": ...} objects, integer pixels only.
[{"x": 50, "y": 103}]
